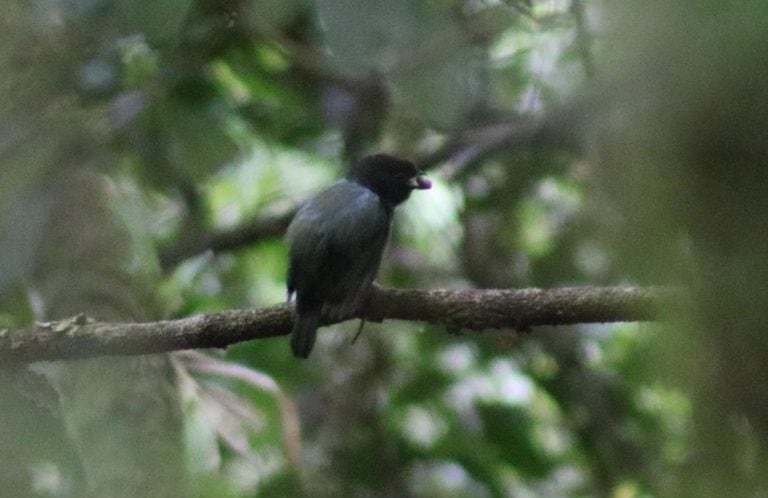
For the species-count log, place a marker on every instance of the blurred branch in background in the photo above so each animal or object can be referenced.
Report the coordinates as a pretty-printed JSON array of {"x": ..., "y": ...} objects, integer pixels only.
[
  {"x": 229, "y": 239},
  {"x": 474, "y": 309},
  {"x": 507, "y": 133},
  {"x": 583, "y": 39}
]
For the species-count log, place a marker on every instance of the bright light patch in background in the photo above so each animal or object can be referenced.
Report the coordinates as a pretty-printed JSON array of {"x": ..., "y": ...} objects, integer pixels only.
[
  {"x": 458, "y": 359},
  {"x": 422, "y": 426},
  {"x": 511, "y": 386},
  {"x": 502, "y": 383},
  {"x": 543, "y": 215},
  {"x": 444, "y": 478},
  {"x": 431, "y": 220},
  {"x": 269, "y": 176}
]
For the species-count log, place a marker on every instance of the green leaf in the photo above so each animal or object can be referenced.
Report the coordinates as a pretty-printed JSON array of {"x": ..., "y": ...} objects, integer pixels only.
[
  {"x": 200, "y": 142},
  {"x": 510, "y": 430}
]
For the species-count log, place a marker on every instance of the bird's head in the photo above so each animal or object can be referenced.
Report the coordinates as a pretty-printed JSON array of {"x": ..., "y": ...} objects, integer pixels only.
[{"x": 390, "y": 178}]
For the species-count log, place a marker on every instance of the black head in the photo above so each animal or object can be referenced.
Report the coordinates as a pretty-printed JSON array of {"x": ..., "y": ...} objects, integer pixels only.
[{"x": 392, "y": 179}]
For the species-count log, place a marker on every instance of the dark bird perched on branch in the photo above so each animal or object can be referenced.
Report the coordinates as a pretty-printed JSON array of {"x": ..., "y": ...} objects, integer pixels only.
[{"x": 336, "y": 241}]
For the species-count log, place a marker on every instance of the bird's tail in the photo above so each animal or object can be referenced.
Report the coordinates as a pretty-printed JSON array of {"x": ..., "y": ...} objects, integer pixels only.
[{"x": 304, "y": 333}]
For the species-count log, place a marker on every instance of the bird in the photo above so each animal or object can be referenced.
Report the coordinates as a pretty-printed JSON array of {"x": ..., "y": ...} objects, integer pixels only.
[{"x": 336, "y": 241}]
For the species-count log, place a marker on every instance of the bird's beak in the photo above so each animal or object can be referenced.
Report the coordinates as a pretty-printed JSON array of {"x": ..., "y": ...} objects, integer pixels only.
[{"x": 420, "y": 182}]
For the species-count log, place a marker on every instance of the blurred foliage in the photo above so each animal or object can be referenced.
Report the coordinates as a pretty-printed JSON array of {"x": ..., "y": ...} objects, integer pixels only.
[{"x": 205, "y": 115}]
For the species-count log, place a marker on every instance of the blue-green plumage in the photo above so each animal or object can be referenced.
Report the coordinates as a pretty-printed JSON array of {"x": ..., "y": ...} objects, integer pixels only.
[{"x": 337, "y": 239}]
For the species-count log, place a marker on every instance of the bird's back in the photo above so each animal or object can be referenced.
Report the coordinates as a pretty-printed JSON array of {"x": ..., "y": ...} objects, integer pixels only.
[{"x": 336, "y": 243}]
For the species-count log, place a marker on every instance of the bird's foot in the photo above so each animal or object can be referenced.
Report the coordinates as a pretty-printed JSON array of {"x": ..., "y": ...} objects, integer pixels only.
[{"x": 359, "y": 330}]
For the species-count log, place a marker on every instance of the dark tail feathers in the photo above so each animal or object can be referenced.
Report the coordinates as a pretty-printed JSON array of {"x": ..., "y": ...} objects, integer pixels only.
[{"x": 304, "y": 333}]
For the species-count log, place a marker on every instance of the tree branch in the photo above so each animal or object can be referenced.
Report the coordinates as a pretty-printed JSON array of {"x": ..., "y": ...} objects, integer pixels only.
[
  {"x": 237, "y": 237},
  {"x": 471, "y": 309},
  {"x": 583, "y": 39},
  {"x": 557, "y": 129}
]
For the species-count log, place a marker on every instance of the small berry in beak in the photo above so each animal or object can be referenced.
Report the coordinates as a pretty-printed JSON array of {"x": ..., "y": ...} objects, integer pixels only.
[{"x": 420, "y": 182}]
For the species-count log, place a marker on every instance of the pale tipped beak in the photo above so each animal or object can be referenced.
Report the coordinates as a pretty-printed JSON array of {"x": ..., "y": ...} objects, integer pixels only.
[{"x": 420, "y": 182}]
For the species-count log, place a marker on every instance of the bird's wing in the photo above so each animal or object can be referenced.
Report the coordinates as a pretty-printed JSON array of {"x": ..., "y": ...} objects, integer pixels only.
[
  {"x": 307, "y": 243},
  {"x": 354, "y": 253},
  {"x": 336, "y": 241}
]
